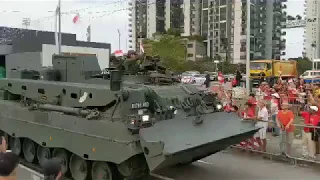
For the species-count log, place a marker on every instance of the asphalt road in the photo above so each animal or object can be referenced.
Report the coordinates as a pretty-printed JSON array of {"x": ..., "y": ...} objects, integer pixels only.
[
  {"x": 227, "y": 166},
  {"x": 240, "y": 165}
]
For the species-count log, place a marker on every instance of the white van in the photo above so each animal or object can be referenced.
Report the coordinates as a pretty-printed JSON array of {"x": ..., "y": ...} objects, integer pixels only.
[{"x": 311, "y": 75}]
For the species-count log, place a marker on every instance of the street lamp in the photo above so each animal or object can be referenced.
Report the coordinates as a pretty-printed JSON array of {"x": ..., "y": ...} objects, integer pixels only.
[
  {"x": 216, "y": 62},
  {"x": 313, "y": 45}
]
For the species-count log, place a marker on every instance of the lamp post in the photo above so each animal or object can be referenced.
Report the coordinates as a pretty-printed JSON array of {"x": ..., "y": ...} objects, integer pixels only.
[
  {"x": 119, "y": 34},
  {"x": 248, "y": 49},
  {"x": 313, "y": 45}
]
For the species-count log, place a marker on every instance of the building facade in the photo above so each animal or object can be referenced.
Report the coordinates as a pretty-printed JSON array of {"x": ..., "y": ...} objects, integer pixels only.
[
  {"x": 222, "y": 24},
  {"x": 312, "y": 32},
  {"x": 226, "y": 29},
  {"x": 31, "y": 49}
]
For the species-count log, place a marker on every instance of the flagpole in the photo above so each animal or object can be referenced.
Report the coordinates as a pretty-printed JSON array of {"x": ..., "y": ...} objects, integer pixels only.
[{"x": 60, "y": 39}]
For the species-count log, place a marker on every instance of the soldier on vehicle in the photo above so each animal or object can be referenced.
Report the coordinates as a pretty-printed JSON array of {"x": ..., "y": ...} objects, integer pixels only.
[{"x": 52, "y": 170}]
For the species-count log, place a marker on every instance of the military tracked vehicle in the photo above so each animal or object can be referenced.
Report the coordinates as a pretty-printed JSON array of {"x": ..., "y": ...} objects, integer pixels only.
[{"x": 120, "y": 124}]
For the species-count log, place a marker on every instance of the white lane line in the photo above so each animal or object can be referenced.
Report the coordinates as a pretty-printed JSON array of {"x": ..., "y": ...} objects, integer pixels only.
[
  {"x": 160, "y": 177},
  {"x": 34, "y": 173},
  {"x": 204, "y": 162}
]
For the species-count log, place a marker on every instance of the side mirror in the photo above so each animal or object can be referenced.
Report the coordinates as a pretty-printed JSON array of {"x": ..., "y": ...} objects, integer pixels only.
[{"x": 115, "y": 80}]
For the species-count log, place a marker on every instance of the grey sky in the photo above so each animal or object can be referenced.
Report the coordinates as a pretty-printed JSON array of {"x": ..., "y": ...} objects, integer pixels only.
[
  {"x": 294, "y": 37},
  {"x": 105, "y": 17}
]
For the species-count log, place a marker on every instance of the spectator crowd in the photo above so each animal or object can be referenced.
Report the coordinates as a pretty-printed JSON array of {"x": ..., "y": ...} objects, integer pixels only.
[{"x": 276, "y": 107}]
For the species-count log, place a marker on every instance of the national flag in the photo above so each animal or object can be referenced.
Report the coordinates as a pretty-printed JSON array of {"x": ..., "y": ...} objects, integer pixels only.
[
  {"x": 118, "y": 53},
  {"x": 76, "y": 19}
]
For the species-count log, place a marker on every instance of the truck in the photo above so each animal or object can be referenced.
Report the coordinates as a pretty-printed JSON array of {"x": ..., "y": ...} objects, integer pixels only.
[{"x": 272, "y": 69}]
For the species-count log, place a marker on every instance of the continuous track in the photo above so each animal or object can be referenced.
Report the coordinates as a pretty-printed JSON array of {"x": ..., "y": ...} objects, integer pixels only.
[{"x": 35, "y": 165}]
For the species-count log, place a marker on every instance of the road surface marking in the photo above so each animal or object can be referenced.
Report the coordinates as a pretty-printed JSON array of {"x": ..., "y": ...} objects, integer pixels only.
[
  {"x": 34, "y": 173},
  {"x": 160, "y": 177},
  {"x": 204, "y": 162}
]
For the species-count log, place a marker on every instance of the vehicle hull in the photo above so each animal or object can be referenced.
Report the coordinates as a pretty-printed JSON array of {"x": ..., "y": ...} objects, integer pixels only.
[{"x": 181, "y": 141}]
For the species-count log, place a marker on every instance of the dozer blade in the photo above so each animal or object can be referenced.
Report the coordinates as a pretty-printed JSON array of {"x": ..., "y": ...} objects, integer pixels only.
[{"x": 180, "y": 141}]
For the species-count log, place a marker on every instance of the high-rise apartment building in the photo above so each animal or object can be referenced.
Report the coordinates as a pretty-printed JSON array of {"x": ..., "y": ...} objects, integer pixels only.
[
  {"x": 222, "y": 24},
  {"x": 312, "y": 31},
  {"x": 225, "y": 28}
]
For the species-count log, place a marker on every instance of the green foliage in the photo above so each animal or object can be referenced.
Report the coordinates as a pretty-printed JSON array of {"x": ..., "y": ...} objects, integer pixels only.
[
  {"x": 171, "y": 52},
  {"x": 303, "y": 64},
  {"x": 174, "y": 32},
  {"x": 196, "y": 37}
]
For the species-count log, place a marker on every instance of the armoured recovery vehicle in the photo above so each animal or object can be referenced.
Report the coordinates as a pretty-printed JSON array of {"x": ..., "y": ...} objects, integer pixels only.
[{"x": 112, "y": 125}]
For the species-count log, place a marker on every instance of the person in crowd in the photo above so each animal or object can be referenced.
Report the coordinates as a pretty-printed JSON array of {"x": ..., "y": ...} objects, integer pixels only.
[
  {"x": 310, "y": 119},
  {"x": 262, "y": 122},
  {"x": 262, "y": 78},
  {"x": 285, "y": 119},
  {"x": 248, "y": 114},
  {"x": 238, "y": 76},
  {"x": 52, "y": 169},
  {"x": 8, "y": 166},
  {"x": 274, "y": 108},
  {"x": 3, "y": 145},
  {"x": 220, "y": 78},
  {"x": 234, "y": 82},
  {"x": 207, "y": 81},
  {"x": 252, "y": 100}
]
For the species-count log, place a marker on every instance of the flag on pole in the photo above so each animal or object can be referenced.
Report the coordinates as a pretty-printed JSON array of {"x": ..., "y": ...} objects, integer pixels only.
[
  {"x": 89, "y": 33},
  {"x": 56, "y": 28}
]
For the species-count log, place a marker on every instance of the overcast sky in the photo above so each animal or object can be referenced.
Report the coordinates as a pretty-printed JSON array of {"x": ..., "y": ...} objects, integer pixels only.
[{"x": 105, "y": 17}]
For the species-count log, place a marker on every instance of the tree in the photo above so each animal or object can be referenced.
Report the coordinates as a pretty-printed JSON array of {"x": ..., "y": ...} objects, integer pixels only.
[
  {"x": 303, "y": 64},
  {"x": 298, "y": 17},
  {"x": 171, "y": 52},
  {"x": 290, "y": 18},
  {"x": 174, "y": 32}
]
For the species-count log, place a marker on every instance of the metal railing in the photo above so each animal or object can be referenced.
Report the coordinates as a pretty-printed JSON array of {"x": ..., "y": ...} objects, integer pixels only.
[{"x": 296, "y": 148}]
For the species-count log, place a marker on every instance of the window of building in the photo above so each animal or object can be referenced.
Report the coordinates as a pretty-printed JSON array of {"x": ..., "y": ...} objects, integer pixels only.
[
  {"x": 190, "y": 55},
  {"x": 190, "y": 45}
]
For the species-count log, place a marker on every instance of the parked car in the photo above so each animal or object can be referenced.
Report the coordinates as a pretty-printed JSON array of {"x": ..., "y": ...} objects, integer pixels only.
[
  {"x": 229, "y": 77},
  {"x": 187, "y": 78},
  {"x": 199, "y": 79}
]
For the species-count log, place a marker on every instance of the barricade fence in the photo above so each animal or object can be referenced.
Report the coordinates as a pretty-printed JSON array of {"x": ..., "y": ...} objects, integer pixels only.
[{"x": 298, "y": 145}]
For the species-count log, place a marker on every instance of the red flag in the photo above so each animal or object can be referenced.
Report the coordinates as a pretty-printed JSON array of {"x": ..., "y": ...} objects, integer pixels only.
[
  {"x": 118, "y": 53},
  {"x": 76, "y": 19}
]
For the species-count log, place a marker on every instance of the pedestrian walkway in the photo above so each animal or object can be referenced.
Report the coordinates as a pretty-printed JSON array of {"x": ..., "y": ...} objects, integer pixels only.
[{"x": 24, "y": 173}]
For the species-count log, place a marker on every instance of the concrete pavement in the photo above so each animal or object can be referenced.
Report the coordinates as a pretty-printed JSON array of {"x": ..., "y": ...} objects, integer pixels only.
[{"x": 25, "y": 173}]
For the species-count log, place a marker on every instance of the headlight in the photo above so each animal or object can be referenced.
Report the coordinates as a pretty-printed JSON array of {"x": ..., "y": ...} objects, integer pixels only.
[
  {"x": 140, "y": 111},
  {"x": 175, "y": 112},
  {"x": 219, "y": 106},
  {"x": 145, "y": 118}
]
